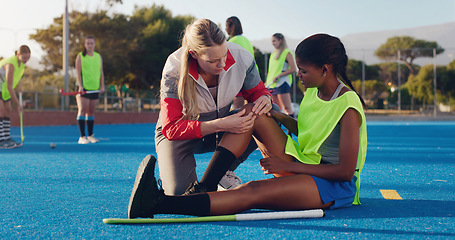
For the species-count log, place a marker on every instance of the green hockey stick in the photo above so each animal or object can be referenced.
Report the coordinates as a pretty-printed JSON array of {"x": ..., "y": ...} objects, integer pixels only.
[{"x": 315, "y": 213}]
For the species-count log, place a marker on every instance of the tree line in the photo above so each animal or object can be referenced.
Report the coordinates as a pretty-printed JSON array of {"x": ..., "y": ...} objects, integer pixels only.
[
  {"x": 416, "y": 83},
  {"x": 134, "y": 48}
]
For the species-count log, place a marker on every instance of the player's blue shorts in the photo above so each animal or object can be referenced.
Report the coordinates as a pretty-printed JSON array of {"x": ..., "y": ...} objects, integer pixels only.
[
  {"x": 341, "y": 193},
  {"x": 282, "y": 89}
]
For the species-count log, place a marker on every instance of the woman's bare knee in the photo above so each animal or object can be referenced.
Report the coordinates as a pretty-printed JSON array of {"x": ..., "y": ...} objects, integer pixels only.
[{"x": 248, "y": 107}]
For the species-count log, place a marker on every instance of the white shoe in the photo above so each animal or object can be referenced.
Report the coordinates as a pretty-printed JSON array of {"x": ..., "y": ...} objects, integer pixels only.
[
  {"x": 229, "y": 181},
  {"x": 92, "y": 139},
  {"x": 83, "y": 140}
]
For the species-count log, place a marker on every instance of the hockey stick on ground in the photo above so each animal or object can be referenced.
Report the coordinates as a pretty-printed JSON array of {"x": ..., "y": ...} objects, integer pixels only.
[{"x": 315, "y": 213}]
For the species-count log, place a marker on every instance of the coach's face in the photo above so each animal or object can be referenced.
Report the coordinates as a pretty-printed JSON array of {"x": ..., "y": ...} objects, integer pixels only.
[{"x": 213, "y": 60}]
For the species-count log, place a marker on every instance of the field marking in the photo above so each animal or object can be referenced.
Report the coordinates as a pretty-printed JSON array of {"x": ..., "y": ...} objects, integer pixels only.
[{"x": 391, "y": 194}]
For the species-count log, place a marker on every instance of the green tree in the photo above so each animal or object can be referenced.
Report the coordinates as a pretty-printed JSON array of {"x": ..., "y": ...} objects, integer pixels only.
[
  {"x": 113, "y": 37},
  {"x": 354, "y": 70},
  {"x": 451, "y": 65},
  {"x": 421, "y": 86},
  {"x": 410, "y": 49},
  {"x": 50, "y": 40},
  {"x": 406, "y": 99},
  {"x": 158, "y": 36},
  {"x": 446, "y": 84},
  {"x": 388, "y": 72},
  {"x": 134, "y": 48},
  {"x": 260, "y": 61},
  {"x": 112, "y": 2},
  {"x": 374, "y": 89}
]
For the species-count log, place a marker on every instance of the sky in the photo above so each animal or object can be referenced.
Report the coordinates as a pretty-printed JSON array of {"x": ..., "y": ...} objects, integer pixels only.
[{"x": 260, "y": 18}]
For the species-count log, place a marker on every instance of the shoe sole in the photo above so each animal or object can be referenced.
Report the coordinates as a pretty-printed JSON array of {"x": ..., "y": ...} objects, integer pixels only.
[
  {"x": 12, "y": 146},
  {"x": 146, "y": 167},
  {"x": 8, "y": 147},
  {"x": 17, "y": 145}
]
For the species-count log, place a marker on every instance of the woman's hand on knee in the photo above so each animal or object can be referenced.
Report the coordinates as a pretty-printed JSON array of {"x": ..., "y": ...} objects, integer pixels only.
[
  {"x": 239, "y": 122},
  {"x": 262, "y": 105}
]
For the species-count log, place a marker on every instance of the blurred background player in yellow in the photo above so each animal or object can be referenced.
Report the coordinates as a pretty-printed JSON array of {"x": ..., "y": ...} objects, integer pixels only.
[
  {"x": 90, "y": 77},
  {"x": 234, "y": 30},
  {"x": 11, "y": 71},
  {"x": 279, "y": 77}
]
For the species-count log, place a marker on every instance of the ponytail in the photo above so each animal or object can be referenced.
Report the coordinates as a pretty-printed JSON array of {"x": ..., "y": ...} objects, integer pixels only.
[
  {"x": 186, "y": 87},
  {"x": 345, "y": 80},
  {"x": 198, "y": 37}
]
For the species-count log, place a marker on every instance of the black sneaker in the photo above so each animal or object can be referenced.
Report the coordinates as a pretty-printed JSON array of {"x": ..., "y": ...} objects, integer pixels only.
[
  {"x": 6, "y": 144},
  {"x": 195, "y": 187},
  {"x": 145, "y": 195}
]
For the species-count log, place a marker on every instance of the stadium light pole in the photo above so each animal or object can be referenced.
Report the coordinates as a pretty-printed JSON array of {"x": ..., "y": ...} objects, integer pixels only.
[
  {"x": 399, "y": 82},
  {"x": 363, "y": 75},
  {"x": 65, "y": 55},
  {"x": 434, "y": 82}
]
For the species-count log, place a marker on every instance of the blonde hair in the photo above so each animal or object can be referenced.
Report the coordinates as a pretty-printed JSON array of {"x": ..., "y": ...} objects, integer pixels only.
[
  {"x": 283, "y": 45},
  {"x": 198, "y": 37}
]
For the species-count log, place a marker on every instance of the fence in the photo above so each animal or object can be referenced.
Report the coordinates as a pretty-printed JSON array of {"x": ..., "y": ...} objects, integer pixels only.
[
  {"x": 367, "y": 56},
  {"x": 50, "y": 99}
]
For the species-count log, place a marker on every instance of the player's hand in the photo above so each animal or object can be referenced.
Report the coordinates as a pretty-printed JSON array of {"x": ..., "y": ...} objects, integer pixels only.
[
  {"x": 262, "y": 105},
  {"x": 274, "y": 165},
  {"x": 239, "y": 122},
  {"x": 279, "y": 116}
]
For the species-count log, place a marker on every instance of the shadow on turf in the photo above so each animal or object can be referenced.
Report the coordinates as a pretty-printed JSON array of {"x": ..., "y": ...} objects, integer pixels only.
[
  {"x": 383, "y": 208},
  {"x": 287, "y": 225},
  {"x": 371, "y": 208}
]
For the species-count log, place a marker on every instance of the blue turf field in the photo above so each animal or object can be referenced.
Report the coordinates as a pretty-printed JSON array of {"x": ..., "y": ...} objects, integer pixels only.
[{"x": 66, "y": 192}]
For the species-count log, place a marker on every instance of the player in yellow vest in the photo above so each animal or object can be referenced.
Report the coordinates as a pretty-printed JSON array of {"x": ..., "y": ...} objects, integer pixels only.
[
  {"x": 279, "y": 76},
  {"x": 234, "y": 30},
  {"x": 11, "y": 71},
  {"x": 90, "y": 77},
  {"x": 320, "y": 170}
]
